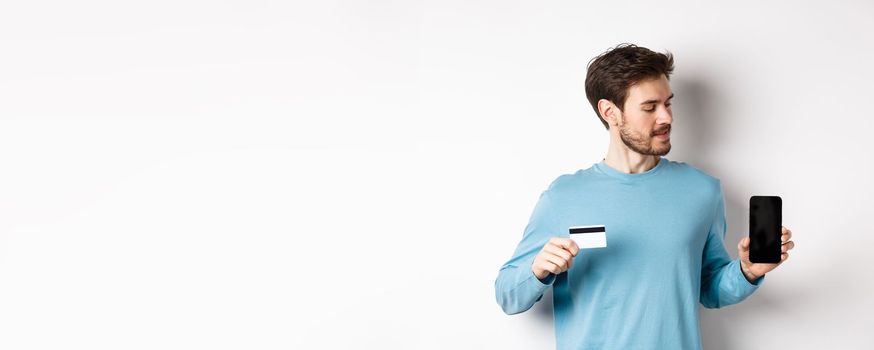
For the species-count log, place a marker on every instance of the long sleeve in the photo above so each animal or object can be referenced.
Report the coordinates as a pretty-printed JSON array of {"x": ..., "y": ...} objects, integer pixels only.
[
  {"x": 517, "y": 288},
  {"x": 722, "y": 281}
]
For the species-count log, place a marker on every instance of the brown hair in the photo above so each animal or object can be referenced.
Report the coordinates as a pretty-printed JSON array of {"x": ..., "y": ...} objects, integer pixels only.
[{"x": 611, "y": 74}]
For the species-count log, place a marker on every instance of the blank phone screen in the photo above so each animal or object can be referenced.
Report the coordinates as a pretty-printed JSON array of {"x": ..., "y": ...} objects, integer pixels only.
[{"x": 765, "y": 229}]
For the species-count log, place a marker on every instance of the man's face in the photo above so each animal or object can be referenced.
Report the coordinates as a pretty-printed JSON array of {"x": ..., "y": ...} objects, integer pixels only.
[{"x": 645, "y": 125}]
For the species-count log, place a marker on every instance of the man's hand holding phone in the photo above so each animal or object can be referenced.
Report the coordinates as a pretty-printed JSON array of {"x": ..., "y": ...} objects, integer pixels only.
[
  {"x": 752, "y": 270},
  {"x": 557, "y": 256}
]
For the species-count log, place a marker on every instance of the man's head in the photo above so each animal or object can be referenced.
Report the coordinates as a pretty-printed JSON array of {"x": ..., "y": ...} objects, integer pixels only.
[{"x": 629, "y": 90}]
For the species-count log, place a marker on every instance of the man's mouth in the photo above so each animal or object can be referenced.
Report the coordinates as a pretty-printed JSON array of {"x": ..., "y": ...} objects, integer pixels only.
[{"x": 663, "y": 134}]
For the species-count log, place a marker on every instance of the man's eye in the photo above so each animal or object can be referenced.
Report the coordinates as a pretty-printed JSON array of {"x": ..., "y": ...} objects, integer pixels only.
[{"x": 667, "y": 105}]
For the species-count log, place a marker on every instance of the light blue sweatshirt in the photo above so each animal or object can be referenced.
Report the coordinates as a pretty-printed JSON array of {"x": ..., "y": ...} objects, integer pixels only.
[{"x": 664, "y": 254}]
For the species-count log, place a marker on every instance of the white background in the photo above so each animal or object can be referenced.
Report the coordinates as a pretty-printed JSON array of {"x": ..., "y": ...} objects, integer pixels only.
[{"x": 337, "y": 174}]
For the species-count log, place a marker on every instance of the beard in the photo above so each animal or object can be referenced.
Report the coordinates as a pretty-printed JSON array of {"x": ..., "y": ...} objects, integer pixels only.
[{"x": 641, "y": 143}]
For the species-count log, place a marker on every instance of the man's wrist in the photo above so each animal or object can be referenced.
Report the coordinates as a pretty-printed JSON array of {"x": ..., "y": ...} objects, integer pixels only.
[{"x": 747, "y": 273}]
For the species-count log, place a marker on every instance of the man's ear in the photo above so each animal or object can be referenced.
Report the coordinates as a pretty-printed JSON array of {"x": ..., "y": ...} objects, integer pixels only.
[{"x": 609, "y": 112}]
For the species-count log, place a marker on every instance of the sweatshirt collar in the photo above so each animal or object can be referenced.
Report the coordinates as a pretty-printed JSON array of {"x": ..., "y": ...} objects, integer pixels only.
[{"x": 607, "y": 170}]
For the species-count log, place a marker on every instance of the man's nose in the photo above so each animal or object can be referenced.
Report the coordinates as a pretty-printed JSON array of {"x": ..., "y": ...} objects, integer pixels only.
[{"x": 665, "y": 117}]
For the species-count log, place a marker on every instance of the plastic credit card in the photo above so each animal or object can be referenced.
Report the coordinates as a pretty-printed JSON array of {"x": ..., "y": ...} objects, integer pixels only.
[{"x": 591, "y": 236}]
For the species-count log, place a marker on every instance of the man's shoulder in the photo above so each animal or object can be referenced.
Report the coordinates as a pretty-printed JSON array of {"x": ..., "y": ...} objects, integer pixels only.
[
  {"x": 694, "y": 177},
  {"x": 682, "y": 172},
  {"x": 687, "y": 169},
  {"x": 572, "y": 181}
]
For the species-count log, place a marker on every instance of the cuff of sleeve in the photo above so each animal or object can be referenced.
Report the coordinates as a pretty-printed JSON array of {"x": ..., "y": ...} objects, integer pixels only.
[{"x": 531, "y": 285}]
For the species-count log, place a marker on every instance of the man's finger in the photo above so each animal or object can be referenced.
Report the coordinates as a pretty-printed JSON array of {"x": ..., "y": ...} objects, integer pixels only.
[
  {"x": 567, "y": 244},
  {"x": 550, "y": 267},
  {"x": 788, "y": 245},
  {"x": 575, "y": 249},
  {"x": 564, "y": 254},
  {"x": 557, "y": 260},
  {"x": 784, "y": 256},
  {"x": 744, "y": 243}
]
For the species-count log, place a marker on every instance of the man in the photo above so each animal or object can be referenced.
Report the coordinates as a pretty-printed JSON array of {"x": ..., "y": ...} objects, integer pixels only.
[{"x": 665, "y": 224}]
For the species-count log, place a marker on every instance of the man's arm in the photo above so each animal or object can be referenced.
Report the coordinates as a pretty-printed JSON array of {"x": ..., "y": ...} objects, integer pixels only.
[
  {"x": 517, "y": 288},
  {"x": 723, "y": 281}
]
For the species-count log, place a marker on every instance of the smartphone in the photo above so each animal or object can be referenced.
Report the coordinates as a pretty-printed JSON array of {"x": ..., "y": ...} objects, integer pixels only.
[{"x": 766, "y": 221}]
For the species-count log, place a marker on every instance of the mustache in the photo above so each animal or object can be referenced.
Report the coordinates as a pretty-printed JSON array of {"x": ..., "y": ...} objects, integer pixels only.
[{"x": 662, "y": 130}]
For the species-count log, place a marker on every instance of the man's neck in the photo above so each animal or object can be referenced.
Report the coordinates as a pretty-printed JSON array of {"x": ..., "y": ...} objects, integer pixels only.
[{"x": 623, "y": 159}]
